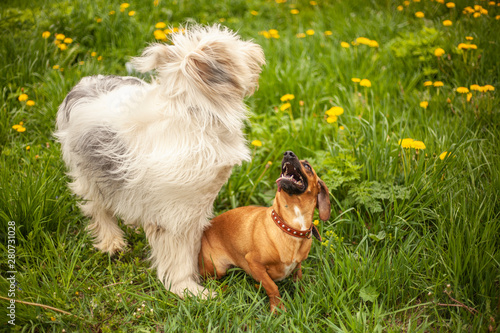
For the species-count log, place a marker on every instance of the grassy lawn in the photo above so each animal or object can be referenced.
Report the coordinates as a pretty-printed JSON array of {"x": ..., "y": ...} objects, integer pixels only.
[{"x": 413, "y": 243}]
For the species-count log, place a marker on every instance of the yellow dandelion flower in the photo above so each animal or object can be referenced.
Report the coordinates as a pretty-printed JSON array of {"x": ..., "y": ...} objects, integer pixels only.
[
  {"x": 301, "y": 35},
  {"x": 30, "y": 103},
  {"x": 468, "y": 10},
  {"x": 294, "y": 11},
  {"x": 476, "y": 15},
  {"x": 93, "y": 54},
  {"x": 331, "y": 119},
  {"x": 273, "y": 33},
  {"x": 345, "y": 45},
  {"x": 265, "y": 34},
  {"x": 287, "y": 97},
  {"x": 328, "y": 33},
  {"x": 285, "y": 106},
  {"x": 439, "y": 52},
  {"x": 427, "y": 83},
  {"x": 46, "y": 34},
  {"x": 62, "y": 46},
  {"x": 363, "y": 40},
  {"x": 112, "y": 12},
  {"x": 310, "y": 32},
  {"x": 28, "y": 147},
  {"x": 406, "y": 3},
  {"x": 22, "y": 97},
  {"x": 341, "y": 128},
  {"x": 52, "y": 318},
  {"x": 400, "y": 8},
  {"x": 469, "y": 97},
  {"x": 417, "y": 145},
  {"x": 443, "y": 155},
  {"x": 469, "y": 38},
  {"x": 99, "y": 58},
  {"x": 497, "y": 17},
  {"x": 405, "y": 143},
  {"x": 365, "y": 83},
  {"x": 475, "y": 87},
  {"x": 81, "y": 63},
  {"x": 257, "y": 143},
  {"x": 156, "y": 3},
  {"x": 447, "y": 23},
  {"x": 55, "y": 67},
  {"x": 373, "y": 43},
  {"x": 98, "y": 20},
  {"x": 463, "y": 46},
  {"x": 254, "y": 12},
  {"x": 160, "y": 34},
  {"x": 489, "y": 87},
  {"x": 438, "y": 84},
  {"x": 492, "y": 3},
  {"x": 68, "y": 40},
  {"x": 124, "y": 5},
  {"x": 355, "y": 80},
  {"x": 60, "y": 36},
  {"x": 131, "y": 13},
  {"x": 313, "y": 3},
  {"x": 335, "y": 111},
  {"x": 160, "y": 25},
  {"x": 424, "y": 104},
  {"x": 316, "y": 222},
  {"x": 419, "y": 15},
  {"x": 450, "y": 4},
  {"x": 473, "y": 46},
  {"x": 462, "y": 90}
]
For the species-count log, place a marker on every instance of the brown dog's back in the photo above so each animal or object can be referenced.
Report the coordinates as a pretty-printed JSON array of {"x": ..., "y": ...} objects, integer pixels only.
[{"x": 227, "y": 237}]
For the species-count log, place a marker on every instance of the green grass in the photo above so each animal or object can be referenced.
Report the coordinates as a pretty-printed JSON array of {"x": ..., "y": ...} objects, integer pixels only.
[{"x": 413, "y": 241}]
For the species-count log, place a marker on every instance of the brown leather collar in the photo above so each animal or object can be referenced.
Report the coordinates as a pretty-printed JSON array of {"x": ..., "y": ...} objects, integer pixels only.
[{"x": 294, "y": 232}]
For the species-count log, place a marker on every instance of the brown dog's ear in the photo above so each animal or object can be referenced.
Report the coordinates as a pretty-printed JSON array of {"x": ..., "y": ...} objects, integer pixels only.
[{"x": 323, "y": 201}]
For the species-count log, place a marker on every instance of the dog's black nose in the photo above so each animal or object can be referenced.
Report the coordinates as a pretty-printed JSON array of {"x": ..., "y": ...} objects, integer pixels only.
[{"x": 289, "y": 154}]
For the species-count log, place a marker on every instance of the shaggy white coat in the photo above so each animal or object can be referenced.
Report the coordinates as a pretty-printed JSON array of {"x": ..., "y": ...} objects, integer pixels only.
[{"x": 156, "y": 154}]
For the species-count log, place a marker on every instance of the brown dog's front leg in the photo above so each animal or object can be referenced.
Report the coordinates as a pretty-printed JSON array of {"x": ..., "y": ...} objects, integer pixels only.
[
  {"x": 297, "y": 275},
  {"x": 259, "y": 273}
]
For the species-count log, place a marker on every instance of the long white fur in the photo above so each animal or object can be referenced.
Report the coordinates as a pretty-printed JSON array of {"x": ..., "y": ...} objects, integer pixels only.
[{"x": 157, "y": 154}]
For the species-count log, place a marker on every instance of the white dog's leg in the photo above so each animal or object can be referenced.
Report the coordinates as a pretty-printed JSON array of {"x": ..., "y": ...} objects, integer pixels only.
[
  {"x": 108, "y": 237},
  {"x": 175, "y": 258}
]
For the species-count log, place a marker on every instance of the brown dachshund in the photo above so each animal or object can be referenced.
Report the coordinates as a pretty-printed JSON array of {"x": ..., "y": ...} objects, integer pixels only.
[{"x": 269, "y": 243}]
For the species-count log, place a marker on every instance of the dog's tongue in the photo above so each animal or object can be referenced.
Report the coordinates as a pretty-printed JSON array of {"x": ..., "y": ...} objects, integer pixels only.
[{"x": 279, "y": 184}]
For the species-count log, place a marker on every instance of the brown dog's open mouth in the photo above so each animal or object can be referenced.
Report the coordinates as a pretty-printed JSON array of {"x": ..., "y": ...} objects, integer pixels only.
[{"x": 291, "y": 179}]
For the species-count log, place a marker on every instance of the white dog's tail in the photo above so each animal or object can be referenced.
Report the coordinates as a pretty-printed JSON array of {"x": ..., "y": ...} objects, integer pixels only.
[{"x": 210, "y": 60}]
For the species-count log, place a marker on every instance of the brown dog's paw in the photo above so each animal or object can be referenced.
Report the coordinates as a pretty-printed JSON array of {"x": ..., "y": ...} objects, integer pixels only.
[{"x": 276, "y": 303}]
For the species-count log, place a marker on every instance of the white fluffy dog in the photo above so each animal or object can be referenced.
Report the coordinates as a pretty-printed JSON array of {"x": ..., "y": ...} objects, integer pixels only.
[{"x": 157, "y": 154}]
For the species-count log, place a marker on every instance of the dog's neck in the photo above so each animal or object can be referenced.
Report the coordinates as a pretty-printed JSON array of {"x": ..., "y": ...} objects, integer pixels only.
[{"x": 296, "y": 212}]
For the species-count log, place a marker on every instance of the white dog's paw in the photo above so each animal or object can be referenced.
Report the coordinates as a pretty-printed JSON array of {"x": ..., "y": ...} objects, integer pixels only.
[
  {"x": 111, "y": 245},
  {"x": 207, "y": 294},
  {"x": 191, "y": 288}
]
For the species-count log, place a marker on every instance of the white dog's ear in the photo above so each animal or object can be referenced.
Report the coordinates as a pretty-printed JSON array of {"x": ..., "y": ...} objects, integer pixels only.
[
  {"x": 255, "y": 60},
  {"x": 212, "y": 69},
  {"x": 153, "y": 57}
]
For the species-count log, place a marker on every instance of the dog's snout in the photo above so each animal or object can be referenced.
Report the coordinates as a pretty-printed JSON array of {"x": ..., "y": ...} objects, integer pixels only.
[{"x": 289, "y": 154}]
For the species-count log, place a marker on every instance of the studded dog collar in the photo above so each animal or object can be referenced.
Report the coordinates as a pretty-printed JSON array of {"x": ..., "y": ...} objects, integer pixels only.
[{"x": 294, "y": 232}]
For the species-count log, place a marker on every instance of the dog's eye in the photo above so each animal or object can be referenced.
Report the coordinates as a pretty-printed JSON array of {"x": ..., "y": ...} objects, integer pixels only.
[{"x": 307, "y": 166}]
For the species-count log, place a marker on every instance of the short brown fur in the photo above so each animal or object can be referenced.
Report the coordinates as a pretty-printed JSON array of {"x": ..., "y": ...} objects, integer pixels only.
[{"x": 248, "y": 238}]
